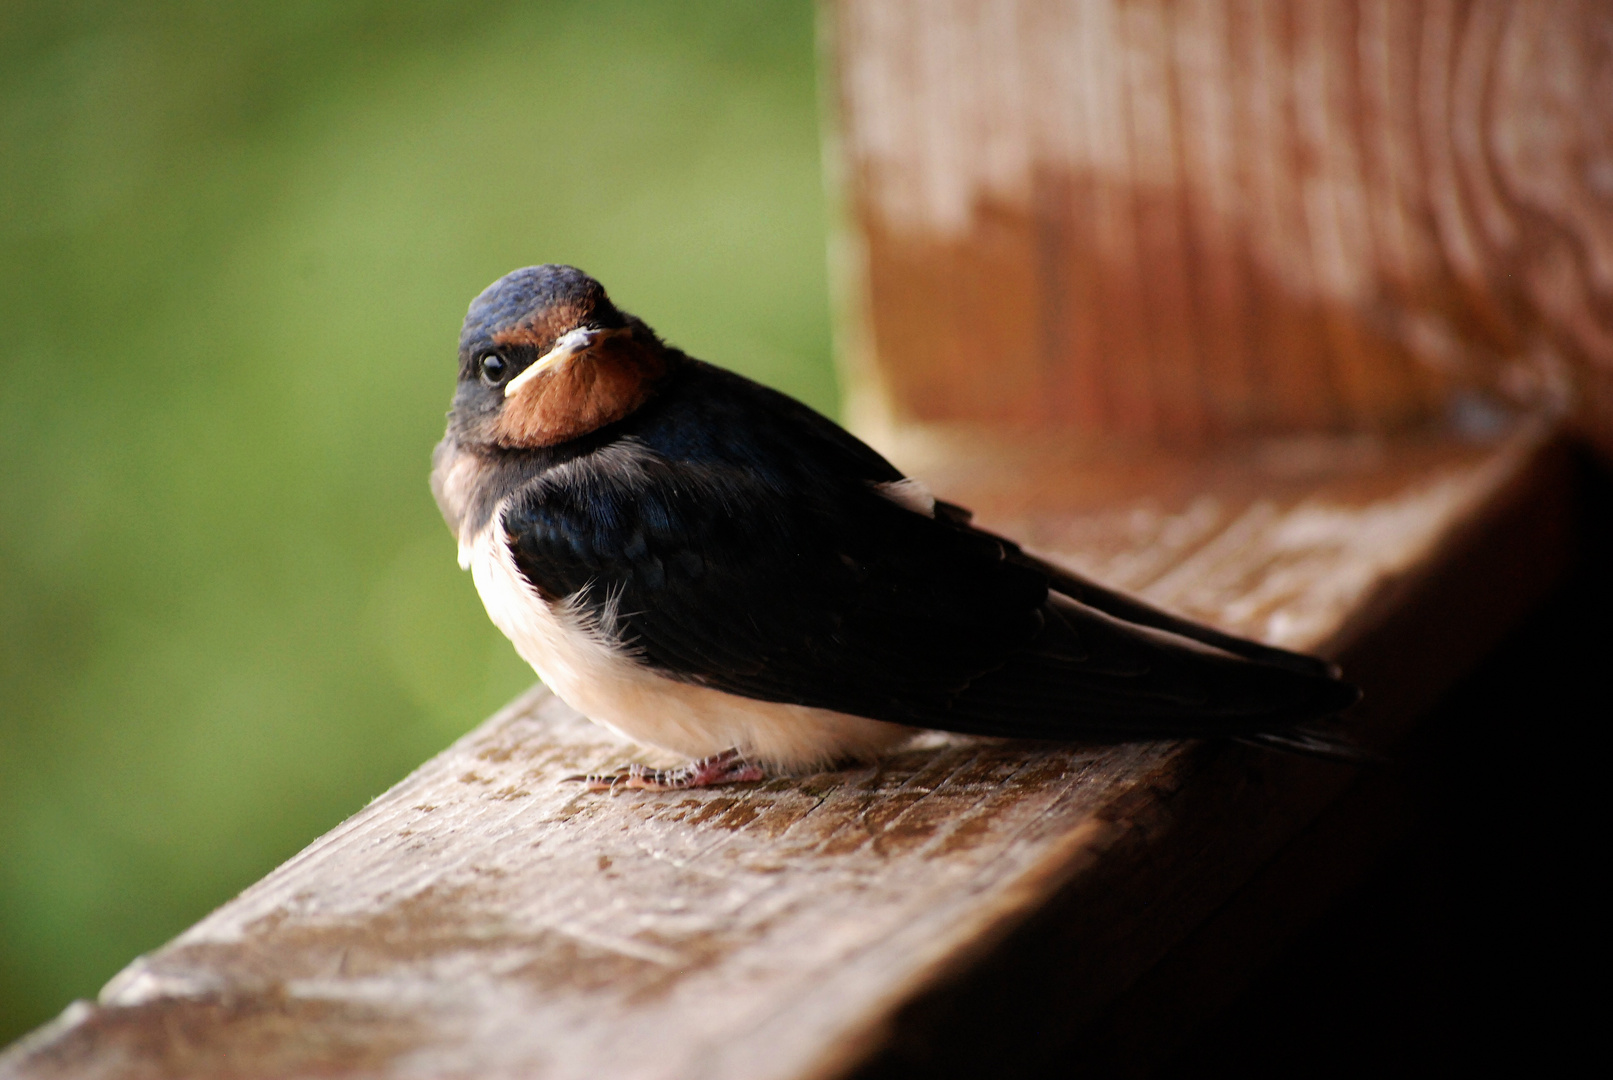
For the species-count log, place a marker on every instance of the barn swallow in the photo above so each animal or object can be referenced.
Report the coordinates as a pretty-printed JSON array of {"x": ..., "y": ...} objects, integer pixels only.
[{"x": 709, "y": 567}]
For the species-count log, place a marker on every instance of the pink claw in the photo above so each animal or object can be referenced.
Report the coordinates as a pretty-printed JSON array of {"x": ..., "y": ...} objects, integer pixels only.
[{"x": 728, "y": 767}]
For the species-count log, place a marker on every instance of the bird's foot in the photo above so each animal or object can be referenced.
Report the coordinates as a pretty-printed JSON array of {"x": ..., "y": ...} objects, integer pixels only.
[{"x": 728, "y": 767}]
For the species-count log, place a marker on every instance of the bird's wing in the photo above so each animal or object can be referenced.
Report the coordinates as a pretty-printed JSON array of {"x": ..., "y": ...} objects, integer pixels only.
[
  {"x": 712, "y": 575},
  {"x": 1131, "y": 609},
  {"x": 808, "y": 587}
]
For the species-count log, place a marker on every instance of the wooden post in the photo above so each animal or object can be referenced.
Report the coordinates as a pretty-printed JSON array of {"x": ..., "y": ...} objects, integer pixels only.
[{"x": 1177, "y": 222}]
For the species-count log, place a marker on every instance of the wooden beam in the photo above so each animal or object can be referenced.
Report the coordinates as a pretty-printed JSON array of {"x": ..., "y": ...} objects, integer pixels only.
[{"x": 963, "y": 903}]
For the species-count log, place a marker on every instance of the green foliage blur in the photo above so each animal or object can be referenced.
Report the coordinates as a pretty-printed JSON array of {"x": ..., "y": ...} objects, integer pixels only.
[{"x": 238, "y": 243}]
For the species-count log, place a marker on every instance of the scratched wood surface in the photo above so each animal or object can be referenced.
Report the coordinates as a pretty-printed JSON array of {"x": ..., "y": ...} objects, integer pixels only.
[
  {"x": 1171, "y": 222},
  {"x": 483, "y": 919}
]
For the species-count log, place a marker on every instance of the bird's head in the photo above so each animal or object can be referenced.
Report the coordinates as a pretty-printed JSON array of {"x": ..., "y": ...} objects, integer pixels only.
[{"x": 545, "y": 357}]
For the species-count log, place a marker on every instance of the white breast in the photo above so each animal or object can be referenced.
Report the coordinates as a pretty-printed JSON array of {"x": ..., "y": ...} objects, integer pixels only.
[{"x": 584, "y": 664}]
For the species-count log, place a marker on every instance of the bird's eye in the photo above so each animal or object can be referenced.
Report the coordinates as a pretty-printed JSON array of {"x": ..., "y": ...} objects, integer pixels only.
[{"x": 493, "y": 367}]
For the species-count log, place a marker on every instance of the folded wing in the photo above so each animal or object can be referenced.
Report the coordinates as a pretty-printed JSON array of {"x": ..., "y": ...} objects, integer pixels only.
[{"x": 774, "y": 578}]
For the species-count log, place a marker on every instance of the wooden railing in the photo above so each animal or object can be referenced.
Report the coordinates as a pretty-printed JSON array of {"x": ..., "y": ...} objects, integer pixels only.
[{"x": 1164, "y": 375}]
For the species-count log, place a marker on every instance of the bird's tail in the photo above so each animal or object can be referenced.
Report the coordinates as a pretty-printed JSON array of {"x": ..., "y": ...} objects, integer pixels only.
[
  {"x": 1312, "y": 741},
  {"x": 1131, "y": 609}
]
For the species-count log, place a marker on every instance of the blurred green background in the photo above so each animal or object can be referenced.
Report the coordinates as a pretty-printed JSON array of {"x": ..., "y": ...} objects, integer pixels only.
[{"x": 239, "y": 240}]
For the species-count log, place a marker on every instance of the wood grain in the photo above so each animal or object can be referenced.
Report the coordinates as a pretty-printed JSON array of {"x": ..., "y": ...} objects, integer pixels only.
[
  {"x": 484, "y": 919},
  {"x": 1174, "y": 222}
]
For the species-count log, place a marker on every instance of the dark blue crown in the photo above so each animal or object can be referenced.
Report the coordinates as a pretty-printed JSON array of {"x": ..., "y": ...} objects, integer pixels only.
[{"x": 521, "y": 293}]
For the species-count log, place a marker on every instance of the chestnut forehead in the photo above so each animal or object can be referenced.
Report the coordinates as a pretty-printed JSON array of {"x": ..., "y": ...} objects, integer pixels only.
[
  {"x": 540, "y": 328},
  {"x": 529, "y": 304}
]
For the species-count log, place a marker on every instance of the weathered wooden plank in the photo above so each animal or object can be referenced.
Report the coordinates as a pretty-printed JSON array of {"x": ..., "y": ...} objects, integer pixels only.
[{"x": 483, "y": 919}]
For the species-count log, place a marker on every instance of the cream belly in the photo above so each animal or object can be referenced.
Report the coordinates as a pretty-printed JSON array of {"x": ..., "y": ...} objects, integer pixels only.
[{"x": 584, "y": 666}]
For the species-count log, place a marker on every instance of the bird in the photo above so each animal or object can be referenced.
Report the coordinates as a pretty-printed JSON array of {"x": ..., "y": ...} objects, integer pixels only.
[{"x": 706, "y": 566}]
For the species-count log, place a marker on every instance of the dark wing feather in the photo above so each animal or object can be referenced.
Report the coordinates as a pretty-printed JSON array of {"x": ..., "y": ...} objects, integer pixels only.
[
  {"x": 717, "y": 578},
  {"x": 750, "y": 553},
  {"x": 1132, "y": 610}
]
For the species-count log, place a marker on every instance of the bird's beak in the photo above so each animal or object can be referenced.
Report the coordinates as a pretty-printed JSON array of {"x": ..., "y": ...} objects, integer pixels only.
[{"x": 571, "y": 343}]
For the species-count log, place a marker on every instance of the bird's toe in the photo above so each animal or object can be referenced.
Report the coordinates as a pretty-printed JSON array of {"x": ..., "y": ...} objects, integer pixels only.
[{"x": 728, "y": 767}]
